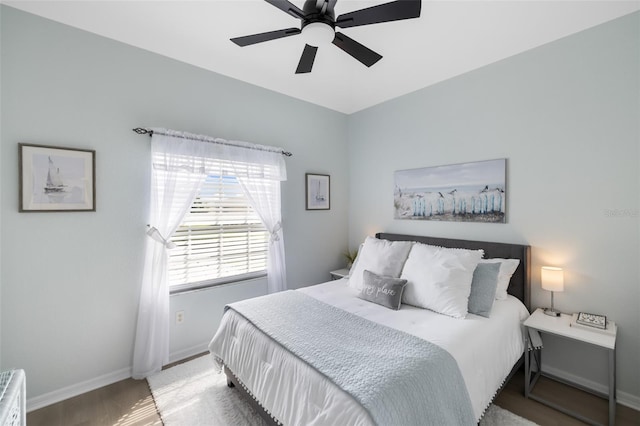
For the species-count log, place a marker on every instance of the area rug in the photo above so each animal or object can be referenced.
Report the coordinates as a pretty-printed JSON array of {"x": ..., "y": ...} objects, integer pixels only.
[{"x": 194, "y": 394}]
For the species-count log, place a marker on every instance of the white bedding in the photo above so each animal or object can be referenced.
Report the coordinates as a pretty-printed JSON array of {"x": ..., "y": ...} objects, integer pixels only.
[{"x": 484, "y": 348}]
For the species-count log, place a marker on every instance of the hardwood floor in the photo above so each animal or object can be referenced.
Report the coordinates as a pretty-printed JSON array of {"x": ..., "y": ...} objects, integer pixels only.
[
  {"x": 125, "y": 403},
  {"x": 512, "y": 398},
  {"x": 129, "y": 403}
]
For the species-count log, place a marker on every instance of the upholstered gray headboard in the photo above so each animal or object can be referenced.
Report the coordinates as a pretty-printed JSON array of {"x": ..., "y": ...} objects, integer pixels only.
[{"x": 520, "y": 285}]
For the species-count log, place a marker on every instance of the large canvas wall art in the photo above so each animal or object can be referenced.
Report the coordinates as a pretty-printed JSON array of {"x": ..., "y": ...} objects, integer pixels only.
[{"x": 468, "y": 192}]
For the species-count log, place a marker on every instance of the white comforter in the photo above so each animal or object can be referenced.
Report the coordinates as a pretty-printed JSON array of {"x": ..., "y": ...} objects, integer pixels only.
[{"x": 484, "y": 348}]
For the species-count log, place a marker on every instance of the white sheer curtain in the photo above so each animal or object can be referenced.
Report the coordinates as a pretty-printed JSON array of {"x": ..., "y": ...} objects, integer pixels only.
[
  {"x": 262, "y": 188},
  {"x": 180, "y": 164},
  {"x": 177, "y": 172}
]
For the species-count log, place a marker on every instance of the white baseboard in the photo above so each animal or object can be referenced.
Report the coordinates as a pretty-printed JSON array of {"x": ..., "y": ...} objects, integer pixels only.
[
  {"x": 188, "y": 352},
  {"x": 104, "y": 380},
  {"x": 623, "y": 398},
  {"x": 76, "y": 389}
]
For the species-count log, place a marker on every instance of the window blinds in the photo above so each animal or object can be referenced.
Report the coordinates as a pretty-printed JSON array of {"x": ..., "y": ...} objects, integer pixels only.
[{"x": 220, "y": 237}]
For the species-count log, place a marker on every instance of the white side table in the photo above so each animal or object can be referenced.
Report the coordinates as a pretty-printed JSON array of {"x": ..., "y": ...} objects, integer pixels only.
[
  {"x": 559, "y": 326},
  {"x": 339, "y": 273}
]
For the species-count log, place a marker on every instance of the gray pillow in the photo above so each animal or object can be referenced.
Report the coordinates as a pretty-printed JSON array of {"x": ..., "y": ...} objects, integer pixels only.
[
  {"x": 385, "y": 291},
  {"x": 483, "y": 288}
]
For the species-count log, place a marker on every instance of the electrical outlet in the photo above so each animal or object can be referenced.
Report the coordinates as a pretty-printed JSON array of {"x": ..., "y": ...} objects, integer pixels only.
[{"x": 179, "y": 317}]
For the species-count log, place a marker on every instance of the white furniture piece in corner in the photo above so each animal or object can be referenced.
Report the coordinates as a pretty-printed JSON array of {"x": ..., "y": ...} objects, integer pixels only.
[
  {"x": 560, "y": 326},
  {"x": 339, "y": 273},
  {"x": 13, "y": 398}
]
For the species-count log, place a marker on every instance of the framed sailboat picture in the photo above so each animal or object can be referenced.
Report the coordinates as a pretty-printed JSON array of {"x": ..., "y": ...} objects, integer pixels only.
[
  {"x": 318, "y": 192},
  {"x": 54, "y": 179}
]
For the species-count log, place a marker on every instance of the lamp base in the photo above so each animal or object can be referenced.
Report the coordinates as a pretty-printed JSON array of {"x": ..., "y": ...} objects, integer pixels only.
[{"x": 551, "y": 312}]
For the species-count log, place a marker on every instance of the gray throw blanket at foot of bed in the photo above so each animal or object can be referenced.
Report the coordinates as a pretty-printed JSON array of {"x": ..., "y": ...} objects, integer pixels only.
[{"x": 398, "y": 378}]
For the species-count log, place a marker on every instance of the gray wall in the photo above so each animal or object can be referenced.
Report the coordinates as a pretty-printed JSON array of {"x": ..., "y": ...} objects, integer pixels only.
[
  {"x": 565, "y": 115},
  {"x": 70, "y": 281}
]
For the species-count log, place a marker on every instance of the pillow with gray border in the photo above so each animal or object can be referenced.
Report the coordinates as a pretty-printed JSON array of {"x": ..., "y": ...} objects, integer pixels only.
[{"x": 385, "y": 291}]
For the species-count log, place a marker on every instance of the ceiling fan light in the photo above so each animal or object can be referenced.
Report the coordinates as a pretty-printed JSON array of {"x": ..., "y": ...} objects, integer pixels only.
[{"x": 318, "y": 34}]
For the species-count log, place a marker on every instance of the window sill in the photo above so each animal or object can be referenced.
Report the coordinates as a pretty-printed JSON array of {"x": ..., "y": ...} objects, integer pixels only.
[{"x": 220, "y": 282}]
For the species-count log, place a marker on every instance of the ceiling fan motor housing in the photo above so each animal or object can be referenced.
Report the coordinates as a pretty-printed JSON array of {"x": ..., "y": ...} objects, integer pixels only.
[
  {"x": 318, "y": 25},
  {"x": 314, "y": 15},
  {"x": 318, "y": 11}
]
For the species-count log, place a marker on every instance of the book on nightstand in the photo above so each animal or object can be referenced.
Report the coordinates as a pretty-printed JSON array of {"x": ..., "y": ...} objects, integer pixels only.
[{"x": 610, "y": 327}]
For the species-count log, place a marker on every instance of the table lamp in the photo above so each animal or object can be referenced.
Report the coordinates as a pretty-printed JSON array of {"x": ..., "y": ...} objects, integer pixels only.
[{"x": 552, "y": 279}]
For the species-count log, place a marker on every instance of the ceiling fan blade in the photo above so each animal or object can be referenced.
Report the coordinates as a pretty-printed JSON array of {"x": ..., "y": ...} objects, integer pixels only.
[
  {"x": 287, "y": 7},
  {"x": 393, "y": 11},
  {"x": 306, "y": 60},
  {"x": 355, "y": 49},
  {"x": 259, "y": 38}
]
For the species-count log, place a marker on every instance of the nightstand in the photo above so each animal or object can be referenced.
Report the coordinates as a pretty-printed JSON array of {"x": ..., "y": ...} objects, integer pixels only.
[
  {"x": 559, "y": 326},
  {"x": 339, "y": 273}
]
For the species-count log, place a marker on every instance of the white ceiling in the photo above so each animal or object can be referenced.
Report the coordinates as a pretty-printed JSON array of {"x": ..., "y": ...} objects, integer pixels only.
[{"x": 450, "y": 38}]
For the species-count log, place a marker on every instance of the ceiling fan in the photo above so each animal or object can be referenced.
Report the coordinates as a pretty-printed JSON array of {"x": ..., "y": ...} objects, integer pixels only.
[{"x": 319, "y": 22}]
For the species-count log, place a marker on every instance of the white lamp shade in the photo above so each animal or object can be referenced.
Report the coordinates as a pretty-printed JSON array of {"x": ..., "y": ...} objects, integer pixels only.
[{"x": 552, "y": 279}]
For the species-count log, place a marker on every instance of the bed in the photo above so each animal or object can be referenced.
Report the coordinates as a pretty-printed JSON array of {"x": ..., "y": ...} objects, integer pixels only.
[{"x": 276, "y": 375}]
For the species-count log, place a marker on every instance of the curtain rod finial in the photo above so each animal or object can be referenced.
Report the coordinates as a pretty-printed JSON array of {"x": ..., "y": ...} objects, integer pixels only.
[{"x": 142, "y": 131}]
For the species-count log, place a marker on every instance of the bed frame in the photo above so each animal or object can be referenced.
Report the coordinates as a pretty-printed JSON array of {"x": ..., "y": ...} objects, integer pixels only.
[{"x": 519, "y": 286}]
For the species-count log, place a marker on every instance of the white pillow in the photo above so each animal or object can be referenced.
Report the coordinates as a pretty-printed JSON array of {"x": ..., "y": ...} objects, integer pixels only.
[
  {"x": 507, "y": 268},
  {"x": 440, "y": 278},
  {"x": 381, "y": 257}
]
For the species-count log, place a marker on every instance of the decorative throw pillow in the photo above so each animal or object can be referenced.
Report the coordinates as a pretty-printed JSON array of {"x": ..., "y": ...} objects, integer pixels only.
[
  {"x": 381, "y": 257},
  {"x": 385, "y": 291},
  {"x": 483, "y": 288},
  {"x": 439, "y": 278},
  {"x": 507, "y": 268}
]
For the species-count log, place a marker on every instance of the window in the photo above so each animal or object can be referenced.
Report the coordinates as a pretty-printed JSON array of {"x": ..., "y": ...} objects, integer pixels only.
[{"x": 220, "y": 240}]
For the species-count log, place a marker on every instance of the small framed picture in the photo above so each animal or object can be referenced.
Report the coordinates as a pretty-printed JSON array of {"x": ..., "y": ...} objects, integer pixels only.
[
  {"x": 54, "y": 179},
  {"x": 318, "y": 192},
  {"x": 592, "y": 320}
]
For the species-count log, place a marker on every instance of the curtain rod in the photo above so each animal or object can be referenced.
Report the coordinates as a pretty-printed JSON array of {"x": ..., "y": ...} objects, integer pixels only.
[{"x": 143, "y": 131}]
